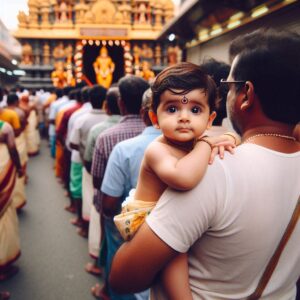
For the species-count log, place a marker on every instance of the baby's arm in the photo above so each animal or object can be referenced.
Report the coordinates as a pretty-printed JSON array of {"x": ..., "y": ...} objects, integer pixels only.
[
  {"x": 181, "y": 173},
  {"x": 175, "y": 279}
]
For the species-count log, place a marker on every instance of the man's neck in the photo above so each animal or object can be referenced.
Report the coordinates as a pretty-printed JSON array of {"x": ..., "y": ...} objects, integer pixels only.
[{"x": 277, "y": 137}]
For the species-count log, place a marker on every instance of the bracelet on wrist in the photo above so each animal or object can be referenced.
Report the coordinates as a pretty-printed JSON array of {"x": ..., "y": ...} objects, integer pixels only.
[
  {"x": 232, "y": 135},
  {"x": 203, "y": 139}
]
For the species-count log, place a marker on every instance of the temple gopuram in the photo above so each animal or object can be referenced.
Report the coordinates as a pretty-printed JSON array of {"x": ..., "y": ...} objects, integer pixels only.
[{"x": 68, "y": 41}]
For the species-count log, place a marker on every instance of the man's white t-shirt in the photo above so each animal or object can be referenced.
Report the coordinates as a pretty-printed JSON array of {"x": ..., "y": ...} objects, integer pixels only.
[{"x": 232, "y": 222}]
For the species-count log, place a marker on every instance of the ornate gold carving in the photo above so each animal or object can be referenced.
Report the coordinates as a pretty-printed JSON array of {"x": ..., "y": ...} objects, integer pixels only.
[
  {"x": 27, "y": 55},
  {"x": 80, "y": 10},
  {"x": 104, "y": 12},
  {"x": 125, "y": 9},
  {"x": 23, "y": 19},
  {"x": 33, "y": 14},
  {"x": 104, "y": 32},
  {"x": 46, "y": 54},
  {"x": 45, "y": 11},
  {"x": 157, "y": 55}
]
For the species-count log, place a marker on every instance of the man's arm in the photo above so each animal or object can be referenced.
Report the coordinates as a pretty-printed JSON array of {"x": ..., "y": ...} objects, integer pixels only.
[
  {"x": 110, "y": 205},
  {"x": 87, "y": 165},
  {"x": 137, "y": 263},
  {"x": 74, "y": 146}
]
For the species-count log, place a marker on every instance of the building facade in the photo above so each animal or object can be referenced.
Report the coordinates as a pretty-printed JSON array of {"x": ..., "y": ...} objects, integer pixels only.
[{"x": 62, "y": 39}]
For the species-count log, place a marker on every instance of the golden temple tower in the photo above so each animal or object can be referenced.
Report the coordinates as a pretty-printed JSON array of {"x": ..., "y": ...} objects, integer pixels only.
[{"x": 73, "y": 31}]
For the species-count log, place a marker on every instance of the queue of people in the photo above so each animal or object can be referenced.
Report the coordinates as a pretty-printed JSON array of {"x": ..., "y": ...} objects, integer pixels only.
[
  {"x": 183, "y": 187},
  {"x": 19, "y": 139}
]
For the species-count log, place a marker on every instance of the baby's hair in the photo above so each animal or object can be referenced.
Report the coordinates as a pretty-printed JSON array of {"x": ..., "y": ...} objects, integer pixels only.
[{"x": 184, "y": 77}]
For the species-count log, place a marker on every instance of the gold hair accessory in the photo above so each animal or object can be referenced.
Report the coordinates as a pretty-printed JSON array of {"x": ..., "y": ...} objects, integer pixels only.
[{"x": 184, "y": 100}]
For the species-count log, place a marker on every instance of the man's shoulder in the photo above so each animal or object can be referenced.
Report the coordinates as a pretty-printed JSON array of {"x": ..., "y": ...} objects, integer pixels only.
[{"x": 10, "y": 112}]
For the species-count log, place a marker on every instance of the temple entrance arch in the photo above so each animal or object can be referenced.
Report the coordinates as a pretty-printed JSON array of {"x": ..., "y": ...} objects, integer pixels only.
[{"x": 90, "y": 54}]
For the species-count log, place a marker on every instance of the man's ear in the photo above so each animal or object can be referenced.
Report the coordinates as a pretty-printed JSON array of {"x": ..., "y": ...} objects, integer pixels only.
[
  {"x": 248, "y": 96},
  {"x": 153, "y": 117},
  {"x": 211, "y": 119}
]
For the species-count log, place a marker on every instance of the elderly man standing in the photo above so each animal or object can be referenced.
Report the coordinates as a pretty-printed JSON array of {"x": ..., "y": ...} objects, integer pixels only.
[{"x": 232, "y": 222}]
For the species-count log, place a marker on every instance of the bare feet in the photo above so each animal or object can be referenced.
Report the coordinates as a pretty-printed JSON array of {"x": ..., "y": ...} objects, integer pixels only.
[
  {"x": 99, "y": 293},
  {"x": 76, "y": 222},
  {"x": 92, "y": 269},
  {"x": 82, "y": 232},
  {"x": 70, "y": 209}
]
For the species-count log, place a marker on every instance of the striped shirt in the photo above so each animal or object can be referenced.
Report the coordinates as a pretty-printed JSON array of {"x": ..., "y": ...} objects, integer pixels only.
[{"x": 128, "y": 127}]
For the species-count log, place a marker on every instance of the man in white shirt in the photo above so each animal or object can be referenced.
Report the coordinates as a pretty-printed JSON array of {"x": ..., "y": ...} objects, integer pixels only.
[
  {"x": 232, "y": 221},
  {"x": 79, "y": 137}
]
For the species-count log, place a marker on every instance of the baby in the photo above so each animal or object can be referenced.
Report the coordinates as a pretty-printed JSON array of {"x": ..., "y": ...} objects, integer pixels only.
[{"x": 183, "y": 103}]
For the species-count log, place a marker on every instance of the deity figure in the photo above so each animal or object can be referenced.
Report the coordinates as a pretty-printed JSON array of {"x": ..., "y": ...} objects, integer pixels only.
[
  {"x": 146, "y": 52},
  {"x": 146, "y": 71},
  {"x": 59, "y": 76},
  {"x": 136, "y": 54},
  {"x": 69, "y": 53},
  {"x": 173, "y": 55},
  {"x": 27, "y": 54},
  {"x": 104, "y": 68},
  {"x": 59, "y": 52}
]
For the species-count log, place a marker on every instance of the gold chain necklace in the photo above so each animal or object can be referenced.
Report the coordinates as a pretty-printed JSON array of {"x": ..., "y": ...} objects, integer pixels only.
[{"x": 277, "y": 135}]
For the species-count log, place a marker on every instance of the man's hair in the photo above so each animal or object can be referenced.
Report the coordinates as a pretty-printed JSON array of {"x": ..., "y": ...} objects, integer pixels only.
[
  {"x": 97, "y": 96},
  {"x": 72, "y": 94},
  {"x": 12, "y": 99},
  {"x": 112, "y": 97},
  {"x": 247, "y": 41},
  {"x": 132, "y": 89},
  {"x": 59, "y": 93},
  {"x": 273, "y": 66},
  {"x": 146, "y": 106},
  {"x": 85, "y": 94},
  {"x": 78, "y": 95},
  {"x": 66, "y": 90},
  {"x": 185, "y": 77},
  {"x": 218, "y": 70}
]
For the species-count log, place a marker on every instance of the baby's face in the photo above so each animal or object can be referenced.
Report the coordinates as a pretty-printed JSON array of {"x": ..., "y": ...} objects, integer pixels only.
[{"x": 183, "y": 117}]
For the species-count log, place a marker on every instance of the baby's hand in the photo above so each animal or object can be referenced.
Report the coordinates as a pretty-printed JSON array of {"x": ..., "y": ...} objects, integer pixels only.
[
  {"x": 226, "y": 142},
  {"x": 220, "y": 148}
]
